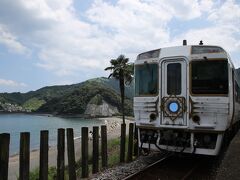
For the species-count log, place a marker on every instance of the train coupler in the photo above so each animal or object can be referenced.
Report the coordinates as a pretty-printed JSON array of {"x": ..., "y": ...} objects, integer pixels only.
[{"x": 149, "y": 137}]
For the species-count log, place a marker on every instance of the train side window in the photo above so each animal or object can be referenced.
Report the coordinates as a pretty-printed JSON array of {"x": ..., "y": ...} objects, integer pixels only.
[
  {"x": 237, "y": 92},
  {"x": 174, "y": 76}
]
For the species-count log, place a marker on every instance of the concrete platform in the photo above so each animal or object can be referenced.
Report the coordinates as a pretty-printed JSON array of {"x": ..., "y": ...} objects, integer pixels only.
[{"x": 230, "y": 166}]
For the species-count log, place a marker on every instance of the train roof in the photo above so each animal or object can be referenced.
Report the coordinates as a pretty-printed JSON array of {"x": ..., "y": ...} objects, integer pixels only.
[{"x": 189, "y": 51}]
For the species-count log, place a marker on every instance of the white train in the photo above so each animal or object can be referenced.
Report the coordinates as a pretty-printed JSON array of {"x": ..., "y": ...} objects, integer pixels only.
[{"x": 187, "y": 98}]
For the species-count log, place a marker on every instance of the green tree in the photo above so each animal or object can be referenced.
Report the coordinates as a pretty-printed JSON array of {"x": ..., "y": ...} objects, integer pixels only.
[{"x": 121, "y": 70}]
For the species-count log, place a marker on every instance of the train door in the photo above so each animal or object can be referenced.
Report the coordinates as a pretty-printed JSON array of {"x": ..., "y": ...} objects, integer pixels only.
[{"x": 174, "y": 93}]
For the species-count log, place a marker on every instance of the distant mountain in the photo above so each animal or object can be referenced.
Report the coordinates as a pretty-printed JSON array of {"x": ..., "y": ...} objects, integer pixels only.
[{"x": 70, "y": 99}]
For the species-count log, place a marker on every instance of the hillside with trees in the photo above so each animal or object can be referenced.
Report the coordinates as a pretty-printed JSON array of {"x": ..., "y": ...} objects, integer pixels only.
[{"x": 70, "y": 99}]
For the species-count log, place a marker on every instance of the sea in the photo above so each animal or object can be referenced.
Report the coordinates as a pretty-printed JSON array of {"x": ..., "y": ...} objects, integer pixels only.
[{"x": 16, "y": 123}]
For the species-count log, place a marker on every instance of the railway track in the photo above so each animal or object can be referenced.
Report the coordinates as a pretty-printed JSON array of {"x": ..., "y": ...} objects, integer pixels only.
[
  {"x": 172, "y": 167},
  {"x": 141, "y": 172}
]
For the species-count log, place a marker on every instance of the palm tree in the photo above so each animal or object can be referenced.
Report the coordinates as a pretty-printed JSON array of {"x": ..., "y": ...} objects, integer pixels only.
[{"x": 121, "y": 70}]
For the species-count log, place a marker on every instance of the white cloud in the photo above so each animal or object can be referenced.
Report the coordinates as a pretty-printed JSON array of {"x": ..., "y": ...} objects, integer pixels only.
[
  {"x": 225, "y": 28},
  {"x": 133, "y": 26},
  {"x": 185, "y": 9},
  {"x": 206, "y": 5},
  {"x": 228, "y": 13},
  {"x": 11, "y": 83},
  {"x": 66, "y": 44},
  {"x": 221, "y": 35},
  {"x": 11, "y": 42},
  {"x": 65, "y": 63}
]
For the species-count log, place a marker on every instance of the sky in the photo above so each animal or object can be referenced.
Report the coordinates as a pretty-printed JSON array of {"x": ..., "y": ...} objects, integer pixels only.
[{"x": 58, "y": 42}]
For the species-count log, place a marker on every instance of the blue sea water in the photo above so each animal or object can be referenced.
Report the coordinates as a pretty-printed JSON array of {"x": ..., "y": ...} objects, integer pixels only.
[{"x": 16, "y": 123}]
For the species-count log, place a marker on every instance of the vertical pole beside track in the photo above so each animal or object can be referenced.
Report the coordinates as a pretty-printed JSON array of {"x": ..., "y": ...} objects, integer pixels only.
[
  {"x": 84, "y": 152},
  {"x": 122, "y": 143},
  {"x": 24, "y": 156},
  {"x": 130, "y": 143},
  {"x": 43, "y": 170},
  {"x": 60, "y": 155},
  {"x": 104, "y": 146},
  {"x": 71, "y": 154},
  {"x": 95, "y": 152},
  {"x": 136, "y": 148},
  {"x": 4, "y": 155}
]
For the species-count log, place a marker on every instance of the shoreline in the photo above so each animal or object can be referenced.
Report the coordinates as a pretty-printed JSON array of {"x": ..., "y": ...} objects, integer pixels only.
[
  {"x": 113, "y": 131},
  {"x": 105, "y": 120},
  {"x": 66, "y": 115}
]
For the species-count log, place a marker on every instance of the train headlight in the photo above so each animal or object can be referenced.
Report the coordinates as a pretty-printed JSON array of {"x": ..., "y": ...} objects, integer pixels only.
[
  {"x": 173, "y": 107},
  {"x": 196, "y": 119},
  {"x": 152, "y": 117}
]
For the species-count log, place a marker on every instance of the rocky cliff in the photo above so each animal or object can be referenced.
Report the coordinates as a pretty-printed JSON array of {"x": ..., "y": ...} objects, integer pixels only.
[{"x": 103, "y": 109}]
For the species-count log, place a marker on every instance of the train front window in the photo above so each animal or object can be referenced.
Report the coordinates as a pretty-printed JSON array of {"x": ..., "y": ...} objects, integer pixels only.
[
  {"x": 174, "y": 84},
  {"x": 146, "y": 79},
  {"x": 210, "y": 77}
]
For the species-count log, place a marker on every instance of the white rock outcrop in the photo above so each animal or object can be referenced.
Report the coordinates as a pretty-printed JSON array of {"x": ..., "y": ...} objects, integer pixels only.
[{"x": 103, "y": 109}]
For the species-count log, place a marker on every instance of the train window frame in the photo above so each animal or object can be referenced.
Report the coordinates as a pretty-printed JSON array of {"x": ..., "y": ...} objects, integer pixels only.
[
  {"x": 206, "y": 94},
  {"x": 147, "y": 95},
  {"x": 236, "y": 92},
  {"x": 196, "y": 47},
  {"x": 149, "y": 54}
]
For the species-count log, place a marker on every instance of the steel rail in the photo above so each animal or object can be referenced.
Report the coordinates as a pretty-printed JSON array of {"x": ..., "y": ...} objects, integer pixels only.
[
  {"x": 147, "y": 168},
  {"x": 189, "y": 173}
]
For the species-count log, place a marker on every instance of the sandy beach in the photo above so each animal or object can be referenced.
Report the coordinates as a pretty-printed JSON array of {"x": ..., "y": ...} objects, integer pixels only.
[{"x": 113, "y": 131}]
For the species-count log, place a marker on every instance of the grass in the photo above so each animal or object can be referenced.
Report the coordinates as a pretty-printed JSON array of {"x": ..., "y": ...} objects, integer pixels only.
[
  {"x": 113, "y": 152},
  {"x": 33, "y": 104},
  {"x": 52, "y": 174}
]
